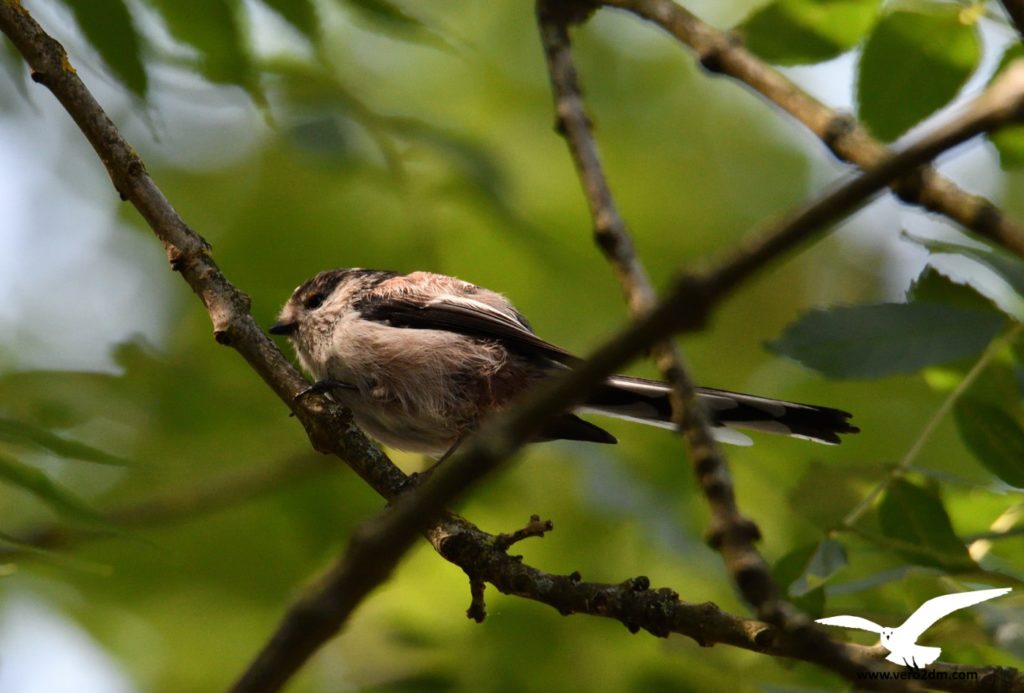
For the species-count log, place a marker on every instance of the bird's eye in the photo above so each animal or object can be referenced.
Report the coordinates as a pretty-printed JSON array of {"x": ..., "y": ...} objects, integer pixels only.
[{"x": 314, "y": 301}]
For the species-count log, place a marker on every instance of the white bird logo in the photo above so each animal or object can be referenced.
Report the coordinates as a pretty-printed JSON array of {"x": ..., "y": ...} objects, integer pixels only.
[{"x": 902, "y": 642}]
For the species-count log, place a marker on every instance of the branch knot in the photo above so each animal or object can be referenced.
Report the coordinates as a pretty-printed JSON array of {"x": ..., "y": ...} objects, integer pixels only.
[{"x": 534, "y": 528}]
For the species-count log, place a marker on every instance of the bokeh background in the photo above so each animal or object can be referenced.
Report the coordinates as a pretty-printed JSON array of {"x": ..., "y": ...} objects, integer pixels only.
[{"x": 424, "y": 140}]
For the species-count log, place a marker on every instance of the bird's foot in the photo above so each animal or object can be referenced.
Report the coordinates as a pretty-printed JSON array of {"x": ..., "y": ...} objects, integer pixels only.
[
  {"x": 418, "y": 478},
  {"x": 321, "y": 387},
  {"x": 451, "y": 451}
]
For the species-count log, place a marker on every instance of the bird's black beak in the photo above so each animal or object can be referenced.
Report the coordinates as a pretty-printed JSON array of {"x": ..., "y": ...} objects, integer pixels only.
[{"x": 284, "y": 328}]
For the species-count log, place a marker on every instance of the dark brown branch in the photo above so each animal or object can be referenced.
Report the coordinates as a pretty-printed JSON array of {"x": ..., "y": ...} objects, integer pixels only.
[
  {"x": 999, "y": 105},
  {"x": 321, "y": 610},
  {"x": 534, "y": 528},
  {"x": 843, "y": 135},
  {"x": 477, "y": 610},
  {"x": 661, "y": 612},
  {"x": 732, "y": 534}
]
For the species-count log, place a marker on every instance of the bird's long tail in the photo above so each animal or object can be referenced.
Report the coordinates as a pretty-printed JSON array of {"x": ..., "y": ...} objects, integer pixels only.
[{"x": 647, "y": 401}]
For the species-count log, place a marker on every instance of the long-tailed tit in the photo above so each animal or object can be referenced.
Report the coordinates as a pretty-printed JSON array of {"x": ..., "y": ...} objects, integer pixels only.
[{"x": 422, "y": 358}]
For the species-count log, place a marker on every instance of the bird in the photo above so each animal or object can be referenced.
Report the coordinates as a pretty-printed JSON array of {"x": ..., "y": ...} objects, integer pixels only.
[
  {"x": 902, "y": 641},
  {"x": 422, "y": 358}
]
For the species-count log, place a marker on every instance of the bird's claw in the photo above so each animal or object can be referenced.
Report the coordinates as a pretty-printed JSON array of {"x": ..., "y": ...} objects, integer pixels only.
[{"x": 321, "y": 387}]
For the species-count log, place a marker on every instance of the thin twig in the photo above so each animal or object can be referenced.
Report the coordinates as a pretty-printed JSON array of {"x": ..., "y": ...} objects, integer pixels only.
[
  {"x": 732, "y": 533},
  {"x": 477, "y": 610},
  {"x": 722, "y": 53},
  {"x": 534, "y": 528},
  {"x": 993, "y": 350}
]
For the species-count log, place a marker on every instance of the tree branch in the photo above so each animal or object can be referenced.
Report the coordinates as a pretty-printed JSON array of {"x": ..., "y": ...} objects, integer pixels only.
[
  {"x": 999, "y": 105},
  {"x": 844, "y": 136},
  {"x": 377, "y": 548},
  {"x": 661, "y": 612},
  {"x": 732, "y": 534}
]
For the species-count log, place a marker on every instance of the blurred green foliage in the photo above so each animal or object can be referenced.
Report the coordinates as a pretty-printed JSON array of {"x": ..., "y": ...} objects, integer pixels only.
[
  {"x": 914, "y": 62},
  {"x": 418, "y": 136}
]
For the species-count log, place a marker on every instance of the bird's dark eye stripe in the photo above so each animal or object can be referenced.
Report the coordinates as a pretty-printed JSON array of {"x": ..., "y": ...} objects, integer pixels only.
[{"x": 314, "y": 301}]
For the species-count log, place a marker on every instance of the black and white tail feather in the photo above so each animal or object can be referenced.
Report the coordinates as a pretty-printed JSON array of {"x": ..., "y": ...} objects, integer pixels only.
[
  {"x": 648, "y": 402},
  {"x": 422, "y": 358}
]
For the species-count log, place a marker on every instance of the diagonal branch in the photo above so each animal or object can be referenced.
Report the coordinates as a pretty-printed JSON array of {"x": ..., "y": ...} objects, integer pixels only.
[
  {"x": 999, "y": 105},
  {"x": 732, "y": 533},
  {"x": 329, "y": 427},
  {"x": 661, "y": 612},
  {"x": 722, "y": 53},
  {"x": 386, "y": 539}
]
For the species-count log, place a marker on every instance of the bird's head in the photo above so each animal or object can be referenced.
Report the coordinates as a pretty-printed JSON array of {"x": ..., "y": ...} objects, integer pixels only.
[{"x": 309, "y": 316}]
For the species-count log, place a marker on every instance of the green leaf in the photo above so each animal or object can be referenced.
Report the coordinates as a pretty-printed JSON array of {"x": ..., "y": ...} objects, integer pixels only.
[
  {"x": 386, "y": 13},
  {"x": 845, "y": 490},
  {"x": 108, "y": 26},
  {"x": 787, "y": 571},
  {"x": 212, "y": 28},
  {"x": 324, "y": 137},
  {"x": 34, "y": 481},
  {"x": 469, "y": 159},
  {"x": 1009, "y": 267},
  {"x": 1009, "y": 141},
  {"x": 389, "y": 18},
  {"x": 994, "y": 437},
  {"x": 932, "y": 286},
  {"x": 915, "y": 518},
  {"x": 829, "y": 558},
  {"x": 913, "y": 64},
  {"x": 996, "y": 385},
  {"x": 796, "y": 32},
  {"x": 885, "y": 339},
  {"x": 301, "y": 14},
  {"x": 54, "y": 557},
  {"x": 21, "y": 432}
]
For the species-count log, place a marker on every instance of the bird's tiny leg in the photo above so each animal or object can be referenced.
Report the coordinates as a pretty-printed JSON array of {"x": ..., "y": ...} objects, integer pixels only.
[
  {"x": 417, "y": 478},
  {"x": 322, "y": 387},
  {"x": 451, "y": 451}
]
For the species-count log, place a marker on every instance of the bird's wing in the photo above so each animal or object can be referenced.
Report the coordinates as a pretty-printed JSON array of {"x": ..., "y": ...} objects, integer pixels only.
[
  {"x": 937, "y": 607},
  {"x": 465, "y": 316},
  {"x": 851, "y": 622}
]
